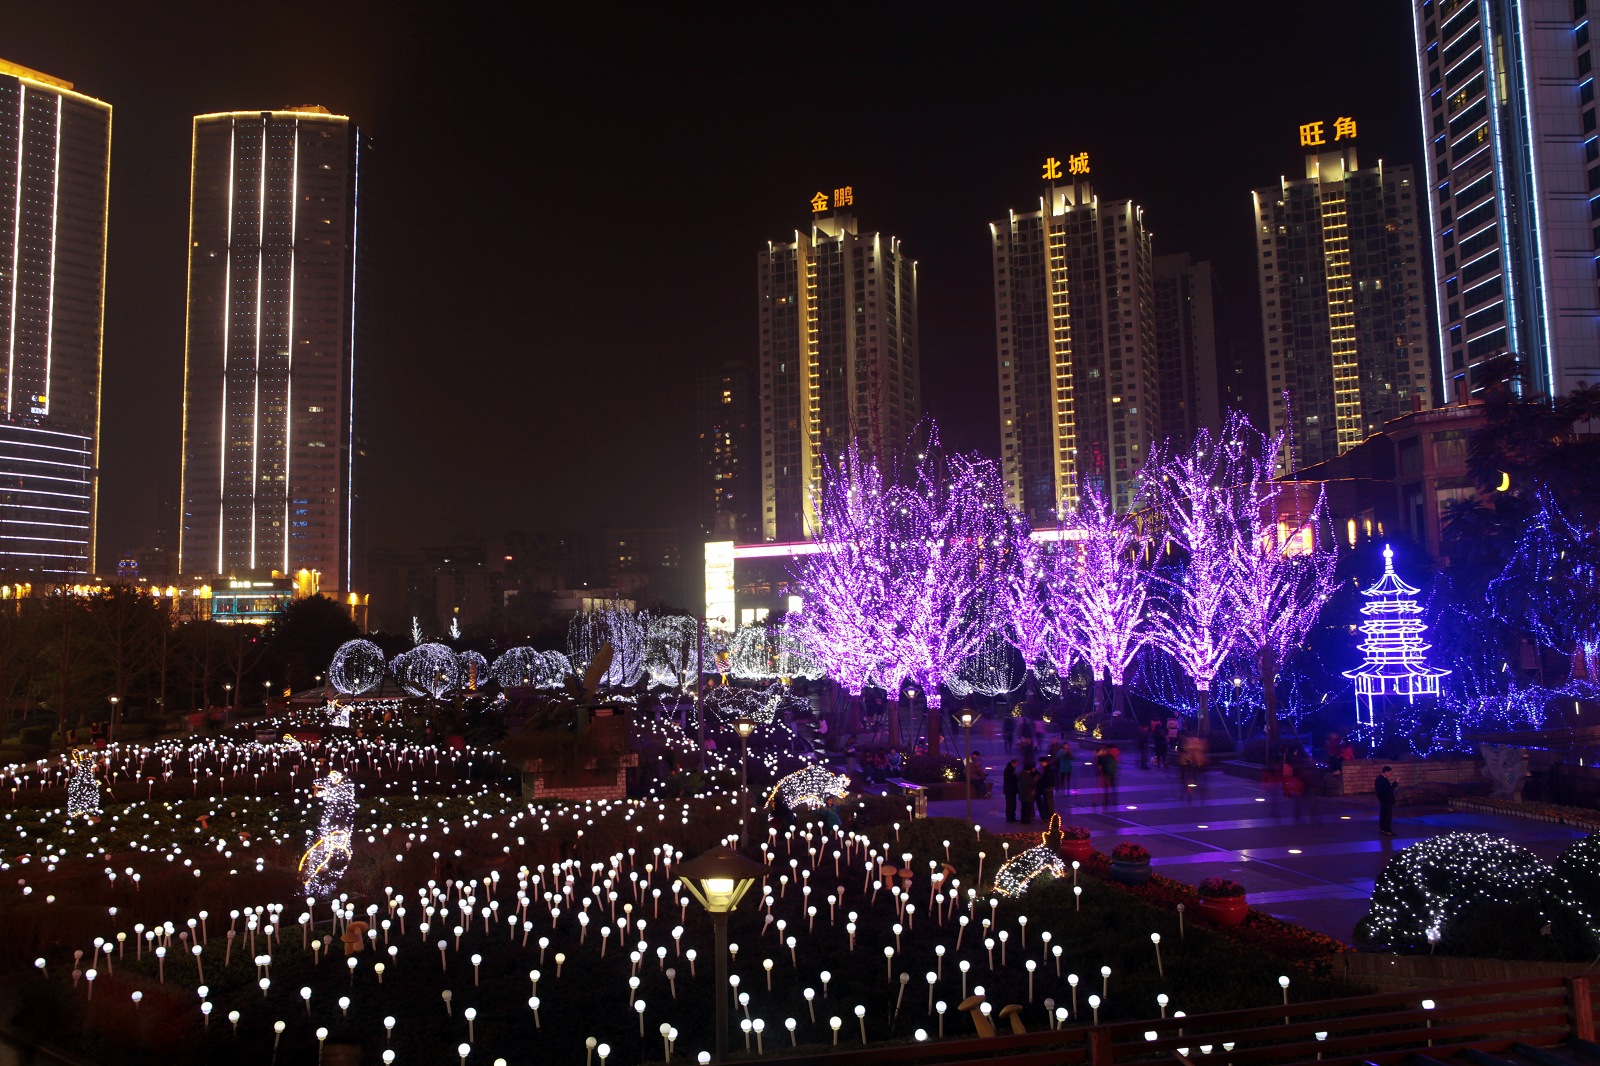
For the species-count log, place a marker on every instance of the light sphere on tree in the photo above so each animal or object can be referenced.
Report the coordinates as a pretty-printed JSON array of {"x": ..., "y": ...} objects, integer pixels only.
[
  {"x": 427, "y": 670},
  {"x": 357, "y": 667}
]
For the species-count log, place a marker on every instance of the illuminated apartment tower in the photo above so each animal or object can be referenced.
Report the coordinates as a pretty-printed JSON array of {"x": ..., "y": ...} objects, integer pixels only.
[
  {"x": 724, "y": 410},
  {"x": 55, "y": 163},
  {"x": 838, "y": 359},
  {"x": 1341, "y": 266},
  {"x": 1186, "y": 348},
  {"x": 271, "y": 437},
  {"x": 1076, "y": 349},
  {"x": 1508, "y": 110}
]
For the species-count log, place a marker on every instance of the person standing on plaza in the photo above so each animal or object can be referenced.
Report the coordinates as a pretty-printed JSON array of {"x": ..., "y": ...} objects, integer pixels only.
[
  {"x": 1027, "y": 792},
  {"x": 1009, "y": 784},
  {"x": 1159, "y": 729},
  {"x": 1064, "y": 769},
  {"x": 1008, "y": 728},
  {"x": 1384, "y": 787},
  {"x": 1144, "y": 746},
  {"x": 1106, "y": 762},
  {"x": 1047, "y": 788}
]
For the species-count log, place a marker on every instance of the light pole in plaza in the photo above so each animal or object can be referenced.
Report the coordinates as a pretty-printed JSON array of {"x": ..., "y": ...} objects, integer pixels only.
[
  {"x": 966, "y": 728},
  {"x": 718, "y": 879},
  {"x": 744, "y": 727}
]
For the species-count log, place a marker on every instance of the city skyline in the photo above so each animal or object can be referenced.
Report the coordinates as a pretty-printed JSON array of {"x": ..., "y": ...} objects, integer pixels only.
[{"x": 523, "y": 334}]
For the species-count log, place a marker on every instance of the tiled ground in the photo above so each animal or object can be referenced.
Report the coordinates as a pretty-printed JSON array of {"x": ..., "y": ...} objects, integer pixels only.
[{"x": 1317, "y": 871}]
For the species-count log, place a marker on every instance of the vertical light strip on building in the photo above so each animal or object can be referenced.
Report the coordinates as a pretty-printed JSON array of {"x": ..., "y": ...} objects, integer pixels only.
[
  {"x": 350, "y": 411},
  {"x": 261, "y": 273},
  {"x": 1547, "y": 316},
  {"x": 810, "y": 472},
  {"x": 227, "y": 346},
  {"x": 50, "y": 307},
  {"x": 1063, "y": 399},
  {"x": 288, "y": 399},
  {"x": 16, "y": 242},
  {"x": 1341, "y": 316},
  {"x": 1493, "y": 93},
  {"x": 1431, "y": 170}
]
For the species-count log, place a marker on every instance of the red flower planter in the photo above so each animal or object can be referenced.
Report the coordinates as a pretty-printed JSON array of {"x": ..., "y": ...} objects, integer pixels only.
[
  {"x": 1076, "y": 851},
  {"x": 1223, "y": 910}
]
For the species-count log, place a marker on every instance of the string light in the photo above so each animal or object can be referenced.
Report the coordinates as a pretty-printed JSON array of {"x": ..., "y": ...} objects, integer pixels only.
[
  {"x": 357, "y": 667},
  {"x": 429, "y": 670},
  {"x": 324, "y": 863},
  {"x": 83, "y": 791},
  {"x": 1394, "y": 648}
]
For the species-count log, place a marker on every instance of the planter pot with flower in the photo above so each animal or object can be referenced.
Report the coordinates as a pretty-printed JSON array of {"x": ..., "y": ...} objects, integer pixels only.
[
  {"x": 1222, "y": 901},
  {"x": 1130, "y": 863},
  {"x": 1071, "y": 842}
]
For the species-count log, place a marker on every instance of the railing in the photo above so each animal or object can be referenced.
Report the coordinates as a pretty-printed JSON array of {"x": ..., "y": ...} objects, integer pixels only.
[{"x": 1382, "y": 1029}]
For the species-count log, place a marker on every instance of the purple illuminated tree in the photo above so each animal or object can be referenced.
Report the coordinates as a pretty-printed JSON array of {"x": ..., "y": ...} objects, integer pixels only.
[
  {"x": 843, "y": 583},
  {"x": 1025, "y": 604},
  {"x": 1283, "y": 574},
  {"x": 951, "y": 536},
  {"x": 1551, "y": 585},
  {"x": 910, "y": 572},
  {"x": 1099, "y": 591},
  {"x": 1199, "y": 494}
]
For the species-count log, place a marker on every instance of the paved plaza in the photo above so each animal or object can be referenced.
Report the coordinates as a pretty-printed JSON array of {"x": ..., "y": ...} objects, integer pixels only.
[{"x": 1316, "y": 871}]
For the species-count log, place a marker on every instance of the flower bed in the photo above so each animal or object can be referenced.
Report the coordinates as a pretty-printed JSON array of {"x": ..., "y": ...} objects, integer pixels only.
[{"x": 1560, "y": 814}]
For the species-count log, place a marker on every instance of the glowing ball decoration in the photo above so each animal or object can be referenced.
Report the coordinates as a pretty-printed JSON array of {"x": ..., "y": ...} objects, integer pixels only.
[
  {"x": 753, "y": 653},
  {"x": 519, "y": 668},
  {"x": 427, "y": 670},
  {"x": 1429, "y": 887},
  {"x": 357, "y": 667},
  {"x": 557, "y": 669},
  {"x": 472, "y": 670},
  {"x": 808, "y": 789}
]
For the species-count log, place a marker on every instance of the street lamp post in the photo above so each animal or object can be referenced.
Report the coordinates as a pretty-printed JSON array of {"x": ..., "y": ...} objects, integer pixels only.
[
  {"x": 744, "y": 727},
  {"x": 718, "y": 879},
  {"x": 266, "y": 693},
  {"x": 111, "y": 733},
  {"x": 228, "y": 698},
  {"x": 966, "y": 729}
]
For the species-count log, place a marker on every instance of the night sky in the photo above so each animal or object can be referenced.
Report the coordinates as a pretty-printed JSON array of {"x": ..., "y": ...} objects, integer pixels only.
[{"x": 566, "y": 203}]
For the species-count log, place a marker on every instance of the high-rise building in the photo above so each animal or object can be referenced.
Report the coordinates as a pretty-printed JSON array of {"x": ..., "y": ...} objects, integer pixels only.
[
  {"x": 839, "y": 362},
  {"x": 272, "y": 448},
  {"x": 725, "y": 425},
  {"x": 1341, "y": 268},
  {"x": 1508, "y": 111},
  {"x": 1076, "y": 349},
  {"x": 55, "y": 166},
  {"x": 1186, "y": 348}
]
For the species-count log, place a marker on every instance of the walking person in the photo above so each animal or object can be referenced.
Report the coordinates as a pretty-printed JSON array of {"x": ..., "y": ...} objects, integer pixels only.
[
  {"x": 1008, "y": 729},
  {"x": 1384, "y": 787},
  {"x": 1027, "y": 792},
  {"x": 1009, "y": 784},
  {"x": 1047, "y": 789},
  {"x": 1106, "y": 762},
  {"x": 1064, "y": 770},
  {"x": 1159, "y": 729}
]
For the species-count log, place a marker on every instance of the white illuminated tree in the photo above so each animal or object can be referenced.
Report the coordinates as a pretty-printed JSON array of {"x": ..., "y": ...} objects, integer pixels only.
[
  {"x": 623, "y": 629},
  {"x": 670, "y": 650}
]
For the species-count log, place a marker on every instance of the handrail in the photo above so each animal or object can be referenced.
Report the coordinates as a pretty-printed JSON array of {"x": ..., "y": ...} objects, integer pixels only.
[{"x": 1384, "y": 1028}]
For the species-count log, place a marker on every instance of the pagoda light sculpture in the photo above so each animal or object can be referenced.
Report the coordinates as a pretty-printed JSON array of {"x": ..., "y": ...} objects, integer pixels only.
[{"x": 1395, "y": 664}]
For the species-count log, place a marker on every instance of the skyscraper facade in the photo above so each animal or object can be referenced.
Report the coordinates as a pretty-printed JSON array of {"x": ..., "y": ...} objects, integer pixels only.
[
  {"x": 272, "y": 443},
  {"x": 1186, "y": 348},
  {"x": 1513, "y": 164},
  {"x": 1341, "y": 266},
  {"x": 839, "y": 358},
  {"x": 55, "y": 165},
  {"x": 725, "y": 425},
  {"x": 1075, "y": 349}
]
